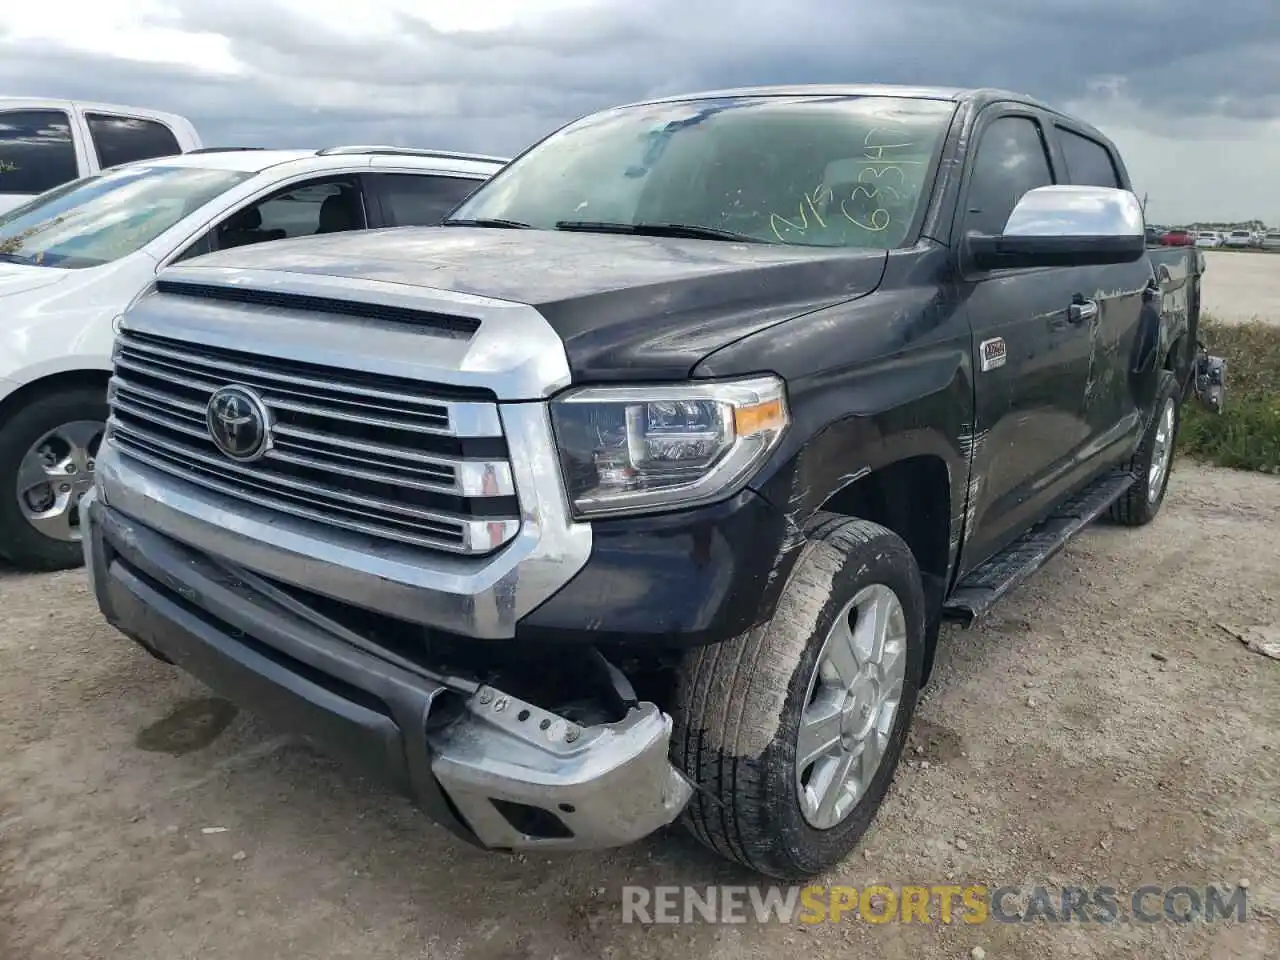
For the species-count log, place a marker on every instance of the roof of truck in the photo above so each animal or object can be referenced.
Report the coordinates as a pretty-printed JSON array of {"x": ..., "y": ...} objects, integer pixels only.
[
  {"x": 977, "y": 97},
  {"x": 953, "y": 94}
]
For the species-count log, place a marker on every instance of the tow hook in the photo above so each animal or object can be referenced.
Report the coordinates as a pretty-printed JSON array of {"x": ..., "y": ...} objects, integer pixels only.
[{"x": 1210, "y": 381}]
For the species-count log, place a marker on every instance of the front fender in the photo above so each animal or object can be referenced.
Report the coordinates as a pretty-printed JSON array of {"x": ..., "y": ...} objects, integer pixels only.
[
  {"x": 917, "y": 405},
  {"x": 869, "y": 384},
  {"x": 53, "y": 366},
  {"x": 853, "y": 447}
]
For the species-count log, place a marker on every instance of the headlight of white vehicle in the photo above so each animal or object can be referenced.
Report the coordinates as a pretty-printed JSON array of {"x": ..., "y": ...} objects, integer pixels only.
[{"x": 626, "y": 450}]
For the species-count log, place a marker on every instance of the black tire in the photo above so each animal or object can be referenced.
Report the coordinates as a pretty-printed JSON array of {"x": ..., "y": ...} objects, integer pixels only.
[
  {"x": 739, "y": 705},
  {"x": 1139, "y": 504},
  {"x": 20, "y": 543}
]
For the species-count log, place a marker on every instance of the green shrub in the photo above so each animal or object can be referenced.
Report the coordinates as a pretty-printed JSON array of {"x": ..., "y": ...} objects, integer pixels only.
[{"x": 1247, "y": 434}]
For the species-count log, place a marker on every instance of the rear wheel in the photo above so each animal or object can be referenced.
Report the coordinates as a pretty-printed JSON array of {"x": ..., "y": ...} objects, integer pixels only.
[
  {"x": 1152, "y": 463},
  {"x": 794, "y": 729},
  {"x": 48, "y": 453}
]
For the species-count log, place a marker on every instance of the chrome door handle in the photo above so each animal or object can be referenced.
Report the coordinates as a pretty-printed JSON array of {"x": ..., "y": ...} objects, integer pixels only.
[{"x": 1082, "y": 310}]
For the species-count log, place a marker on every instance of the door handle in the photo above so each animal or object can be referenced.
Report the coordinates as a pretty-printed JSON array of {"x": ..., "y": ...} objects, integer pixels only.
[{"x": 1082, "y": 310}]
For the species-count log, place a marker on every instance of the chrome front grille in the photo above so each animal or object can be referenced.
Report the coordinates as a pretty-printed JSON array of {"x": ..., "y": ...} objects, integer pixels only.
[{"x": 386, "y": 457}]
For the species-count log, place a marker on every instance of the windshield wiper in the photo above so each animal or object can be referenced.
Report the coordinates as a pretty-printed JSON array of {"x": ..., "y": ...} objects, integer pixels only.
[
  {"x": 656, "y": 230},
  {"x": 485, "y": 222}
]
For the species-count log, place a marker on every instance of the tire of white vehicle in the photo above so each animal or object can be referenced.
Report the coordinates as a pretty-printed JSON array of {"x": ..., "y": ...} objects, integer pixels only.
[
  {"x": 741, "y": 704},
  {"x": 20, "y": 542},
  {"x": 1139, "y": 504}
]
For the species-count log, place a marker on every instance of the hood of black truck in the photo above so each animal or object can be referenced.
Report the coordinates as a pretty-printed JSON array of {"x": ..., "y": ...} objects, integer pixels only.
[{"x": 626, "y": 307}]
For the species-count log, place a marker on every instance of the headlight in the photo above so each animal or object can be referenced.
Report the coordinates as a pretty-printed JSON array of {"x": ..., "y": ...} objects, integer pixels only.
[{"x": 638, "y": 449}]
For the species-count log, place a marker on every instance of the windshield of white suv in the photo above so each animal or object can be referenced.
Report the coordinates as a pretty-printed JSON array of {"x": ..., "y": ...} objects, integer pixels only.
[
  {"x": 95, "y": 220},
  {"x": 829, "y": 171}
]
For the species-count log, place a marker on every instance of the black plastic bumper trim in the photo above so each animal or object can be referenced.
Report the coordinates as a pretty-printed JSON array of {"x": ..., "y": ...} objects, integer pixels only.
[{"x": 244, "y": 647}]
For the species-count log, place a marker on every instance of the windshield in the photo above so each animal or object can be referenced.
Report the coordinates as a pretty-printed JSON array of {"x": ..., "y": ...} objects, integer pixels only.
[
  {"x": 98, "y": 219},
  {"x": 834, "y": 171}
]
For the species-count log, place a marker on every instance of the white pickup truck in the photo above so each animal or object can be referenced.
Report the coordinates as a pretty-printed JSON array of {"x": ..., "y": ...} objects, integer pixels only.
[{"x": 45, "y": 143}]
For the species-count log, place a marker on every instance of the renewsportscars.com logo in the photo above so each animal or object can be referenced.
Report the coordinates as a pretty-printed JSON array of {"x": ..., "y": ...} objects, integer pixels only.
[{"x": 938, "y": 903}]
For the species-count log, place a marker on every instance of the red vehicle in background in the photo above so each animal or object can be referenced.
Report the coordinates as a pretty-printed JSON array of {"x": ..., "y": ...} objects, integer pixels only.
[{"x": 1178, "y": 238}]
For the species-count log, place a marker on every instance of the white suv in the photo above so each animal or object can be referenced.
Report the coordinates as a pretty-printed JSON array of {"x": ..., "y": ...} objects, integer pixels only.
[{"x": 72, "y": 258}]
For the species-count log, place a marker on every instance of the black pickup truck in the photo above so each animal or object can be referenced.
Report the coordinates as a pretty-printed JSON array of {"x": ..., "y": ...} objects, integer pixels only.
[{"x": 640, "y": 489}]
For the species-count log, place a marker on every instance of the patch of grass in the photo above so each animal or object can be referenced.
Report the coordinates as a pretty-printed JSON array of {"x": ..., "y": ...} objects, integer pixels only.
[{"x": 1247, "y": 434}]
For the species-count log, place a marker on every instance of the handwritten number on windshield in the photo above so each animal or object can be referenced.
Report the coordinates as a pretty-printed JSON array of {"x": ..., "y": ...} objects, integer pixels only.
[
  {"x": 880, "y": 219},
  {"x": 877, "y": 175},
  {"x": 882, "y": 178},
  {"x": 810, "y": 204}
]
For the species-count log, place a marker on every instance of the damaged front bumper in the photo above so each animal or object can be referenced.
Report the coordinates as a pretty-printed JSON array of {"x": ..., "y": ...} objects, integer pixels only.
[{"x": 499, "y": 772}]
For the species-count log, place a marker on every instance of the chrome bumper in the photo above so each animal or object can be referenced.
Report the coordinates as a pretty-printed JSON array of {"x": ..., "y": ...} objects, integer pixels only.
[
  {"x": 500, "y": 772},
  {"x": 609, "y": 784}
]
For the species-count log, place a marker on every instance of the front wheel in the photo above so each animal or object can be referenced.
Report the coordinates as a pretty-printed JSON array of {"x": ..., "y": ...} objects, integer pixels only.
[
  {"x": 47, "y": 458},
  {"x": 793, "y": 730}
]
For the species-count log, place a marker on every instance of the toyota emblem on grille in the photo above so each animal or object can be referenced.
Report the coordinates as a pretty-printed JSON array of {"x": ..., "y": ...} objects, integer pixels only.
[{"x": 238, "y": 422}]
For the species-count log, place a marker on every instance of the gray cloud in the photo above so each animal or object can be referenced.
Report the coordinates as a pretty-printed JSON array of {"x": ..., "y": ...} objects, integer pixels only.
[
  {"x": 1175, "y": 63},
  {"x": 1175, "y": 55}
]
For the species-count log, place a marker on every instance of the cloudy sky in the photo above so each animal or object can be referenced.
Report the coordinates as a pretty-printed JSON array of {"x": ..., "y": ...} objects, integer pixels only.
[{"x": 1189, "y": 89}]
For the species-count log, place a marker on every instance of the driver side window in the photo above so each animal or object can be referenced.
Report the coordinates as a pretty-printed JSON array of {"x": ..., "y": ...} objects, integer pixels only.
[
  {"x": 1011, "y": 160},
  {"x": 333, "y": 205}
]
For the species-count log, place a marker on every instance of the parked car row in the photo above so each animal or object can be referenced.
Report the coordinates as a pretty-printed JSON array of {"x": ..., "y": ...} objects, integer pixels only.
[
  {"x": 1238, "y": 239},
  {"x": 73, "y": 257},
  {"x": 1234, "y": 239}
]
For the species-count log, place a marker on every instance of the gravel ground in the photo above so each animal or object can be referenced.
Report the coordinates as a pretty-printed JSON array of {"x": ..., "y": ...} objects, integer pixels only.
[
  {"x": 1242, "y": 286},
  {"x": 1102, "y": 728}
]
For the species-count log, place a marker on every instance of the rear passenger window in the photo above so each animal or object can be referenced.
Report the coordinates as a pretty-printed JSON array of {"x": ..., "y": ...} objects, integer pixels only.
[
  {"x": 1088, "y": 162},
  {"x": 125, "y": 139},
  {"x": 410, "y": 200},
  {"x": 1011, "y": 160},
  {"x": 36, "y": 151}
]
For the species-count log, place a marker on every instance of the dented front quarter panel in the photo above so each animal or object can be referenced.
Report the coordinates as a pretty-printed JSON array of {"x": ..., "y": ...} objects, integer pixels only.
[{"x": 869, "y": 383}]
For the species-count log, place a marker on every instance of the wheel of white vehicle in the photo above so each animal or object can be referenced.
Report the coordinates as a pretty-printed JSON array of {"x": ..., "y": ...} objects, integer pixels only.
[
  {"x": 47, "y": 454},
  {"x": 793, "y": 730},
  {"x": 1152, "y": 463}
]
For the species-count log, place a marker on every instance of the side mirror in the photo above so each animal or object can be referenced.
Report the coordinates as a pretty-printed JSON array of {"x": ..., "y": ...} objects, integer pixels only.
[{"x": 1065, "y": 226}]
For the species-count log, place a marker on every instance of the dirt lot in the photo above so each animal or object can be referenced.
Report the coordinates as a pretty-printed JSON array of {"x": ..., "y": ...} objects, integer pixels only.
[
  {"x": 1103, "y": 728},
  {"x": 1240, "y": 286}
]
